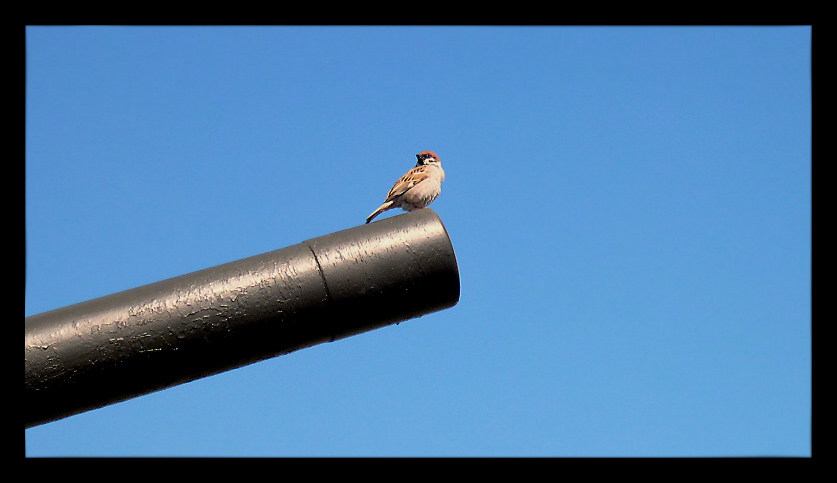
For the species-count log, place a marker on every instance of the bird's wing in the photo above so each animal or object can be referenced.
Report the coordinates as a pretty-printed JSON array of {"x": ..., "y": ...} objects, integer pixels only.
[{"x": 412, "y": 178}]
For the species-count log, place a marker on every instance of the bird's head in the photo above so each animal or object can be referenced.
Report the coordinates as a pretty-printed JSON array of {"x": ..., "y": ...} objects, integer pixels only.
[{"x": 428, "y": 157}]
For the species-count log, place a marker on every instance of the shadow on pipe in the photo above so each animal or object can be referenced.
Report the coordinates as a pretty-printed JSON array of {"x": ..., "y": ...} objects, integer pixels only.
[{"x": 130, "y": 343}]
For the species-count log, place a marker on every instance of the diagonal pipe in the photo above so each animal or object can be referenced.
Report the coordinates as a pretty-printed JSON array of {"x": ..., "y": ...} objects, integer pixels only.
[{"x": 130, "y": 343}]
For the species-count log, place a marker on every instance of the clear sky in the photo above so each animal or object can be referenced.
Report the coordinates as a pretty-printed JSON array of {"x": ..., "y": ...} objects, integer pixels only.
[{"x": 630, "y": 210}]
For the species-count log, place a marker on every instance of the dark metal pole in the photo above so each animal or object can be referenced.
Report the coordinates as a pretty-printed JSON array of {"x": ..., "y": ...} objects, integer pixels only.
[{"x": 148, "y": 338}]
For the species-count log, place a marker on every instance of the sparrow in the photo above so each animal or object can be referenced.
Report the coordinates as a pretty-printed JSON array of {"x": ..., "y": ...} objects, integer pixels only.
[{"x": 417, "y": 188}]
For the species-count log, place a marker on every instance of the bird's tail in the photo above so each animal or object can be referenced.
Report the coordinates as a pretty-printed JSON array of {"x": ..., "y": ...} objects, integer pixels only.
[{"x": 384, "y": 207}]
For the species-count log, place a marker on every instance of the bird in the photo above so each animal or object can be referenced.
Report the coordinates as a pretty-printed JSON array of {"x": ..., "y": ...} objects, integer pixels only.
[{"x": 417, "y": 188}]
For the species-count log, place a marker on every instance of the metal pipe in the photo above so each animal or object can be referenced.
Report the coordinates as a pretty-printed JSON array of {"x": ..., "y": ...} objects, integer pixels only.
[{"x": 130, "y": 343}]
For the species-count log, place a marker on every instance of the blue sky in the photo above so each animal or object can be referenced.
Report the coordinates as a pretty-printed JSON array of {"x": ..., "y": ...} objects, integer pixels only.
[{"x": 630, "y": 210}]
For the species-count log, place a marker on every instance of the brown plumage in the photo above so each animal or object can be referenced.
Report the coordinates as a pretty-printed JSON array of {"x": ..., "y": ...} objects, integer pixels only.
[{"x": 417, "y": 188}]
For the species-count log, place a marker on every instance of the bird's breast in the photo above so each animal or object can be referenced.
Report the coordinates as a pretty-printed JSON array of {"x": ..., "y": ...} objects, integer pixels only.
[{"x": 425, "y": 192}]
